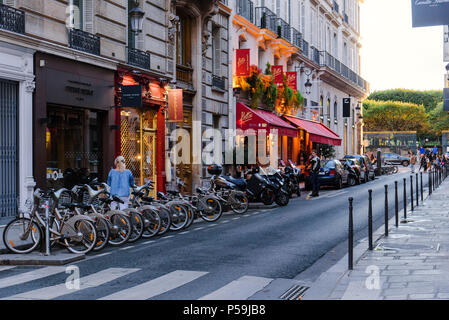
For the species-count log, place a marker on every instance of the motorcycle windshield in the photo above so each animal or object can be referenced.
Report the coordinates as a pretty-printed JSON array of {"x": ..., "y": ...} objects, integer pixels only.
[{"x": 271, "y": 171}]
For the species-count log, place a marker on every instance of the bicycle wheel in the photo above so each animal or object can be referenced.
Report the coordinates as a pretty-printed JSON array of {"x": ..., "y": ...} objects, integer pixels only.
[
  {"x": 137, "y": 225},
  {"x": 103, "y": 232},
  {"x": 121, "y": 228},
  {"x": 85, "y": 238},
  {"x": 191, "y": 215},
  {"x": 212, "y": 209},
  {"x": 164, "y": 213},
  {"x": 240, "y": 204},
  {"x": 179, "y": 217},
  {"x": 152, "y": 223},
  {"x": 22, "y": 235}
]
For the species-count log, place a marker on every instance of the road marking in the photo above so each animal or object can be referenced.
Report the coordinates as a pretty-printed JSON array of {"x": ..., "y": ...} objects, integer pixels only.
[
  {"x": 168, "y": 237},
  {"x": 148, "y": 242},
  {"x": 156, "y": 286},
  {"x": 30, "y": 276},
  {"x": 2, "y": 268},
  {"x": 200, "y": 228},
  {"x": 235, "y": 218},
  {"x": 89, "y": 281},
  {"x": 225, "y": 221},
  {"x": 127, "y": 248},
  {"x": 184, "y": 232},
  {"x": 240, "y": 289}
]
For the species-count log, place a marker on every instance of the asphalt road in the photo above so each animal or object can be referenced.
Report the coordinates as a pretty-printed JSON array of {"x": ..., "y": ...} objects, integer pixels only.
[{"x": 267, "y": 244}]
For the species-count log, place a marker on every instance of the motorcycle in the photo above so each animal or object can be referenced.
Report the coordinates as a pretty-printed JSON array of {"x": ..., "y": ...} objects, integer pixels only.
[
  {"x": 291, "y": 177},
  {"x": 228, "y": 190},
  {"x": 281, "y": 195}
]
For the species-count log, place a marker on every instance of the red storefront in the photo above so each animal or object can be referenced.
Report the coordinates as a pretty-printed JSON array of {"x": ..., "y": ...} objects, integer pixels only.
[{"x": 140, "y": 132}]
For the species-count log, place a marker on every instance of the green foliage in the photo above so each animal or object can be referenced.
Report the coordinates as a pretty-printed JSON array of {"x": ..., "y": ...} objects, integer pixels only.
[
  {"x": 439, "y": 119},
  {"x": 327, "y": 151},
  {"x": 395, "y": 116},
  {"x": 429, "y": 99}
]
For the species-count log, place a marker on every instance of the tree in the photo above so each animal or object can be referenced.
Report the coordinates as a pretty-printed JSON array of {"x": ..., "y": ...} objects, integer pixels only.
[
  {"x": 439, "y": 119},
  {"x": 429, "y": 99}
]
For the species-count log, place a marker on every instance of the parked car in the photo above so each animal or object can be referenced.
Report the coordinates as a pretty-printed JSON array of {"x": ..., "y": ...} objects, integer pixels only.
[
  {"x": 365, "y": 165},
  {"x": 394, "y": 158},
  {"x": 357, "y": 167},
  {"x": 333, "y": 173}
]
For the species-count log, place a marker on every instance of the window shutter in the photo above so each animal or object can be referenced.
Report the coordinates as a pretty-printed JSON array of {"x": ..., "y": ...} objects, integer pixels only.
[{"x": 89, "y": 16}]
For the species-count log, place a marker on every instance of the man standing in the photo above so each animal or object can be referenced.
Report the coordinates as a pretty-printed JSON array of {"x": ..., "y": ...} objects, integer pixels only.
[
  {"x": 412, "y": 161},
  {"x": 315, "y": 169}
]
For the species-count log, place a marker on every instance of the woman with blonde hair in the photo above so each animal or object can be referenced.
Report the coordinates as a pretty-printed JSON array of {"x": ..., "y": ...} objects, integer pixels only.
[{"x": 120, "y": 180}]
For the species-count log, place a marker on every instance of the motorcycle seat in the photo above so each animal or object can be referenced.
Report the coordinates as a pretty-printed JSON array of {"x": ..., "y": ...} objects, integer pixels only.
[{"x": 241, "y": 183}]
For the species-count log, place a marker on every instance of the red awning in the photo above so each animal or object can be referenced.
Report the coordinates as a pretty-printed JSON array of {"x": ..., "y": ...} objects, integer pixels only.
[
  {"x": 257, "y": 119},
  {"x": 318, "y": 132}
]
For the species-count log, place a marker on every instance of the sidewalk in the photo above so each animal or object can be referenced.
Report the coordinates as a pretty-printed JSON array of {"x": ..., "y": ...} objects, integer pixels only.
[{"x": 411, "y": 263}]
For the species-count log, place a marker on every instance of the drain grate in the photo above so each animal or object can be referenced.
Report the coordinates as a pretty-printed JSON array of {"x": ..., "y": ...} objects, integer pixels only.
[{"x": 294, "y": 293}]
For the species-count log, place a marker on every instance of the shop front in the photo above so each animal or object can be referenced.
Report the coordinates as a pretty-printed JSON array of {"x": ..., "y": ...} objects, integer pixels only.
[
  {"x": 140, "y": 130},
  {"x": 72, "y": 115}
]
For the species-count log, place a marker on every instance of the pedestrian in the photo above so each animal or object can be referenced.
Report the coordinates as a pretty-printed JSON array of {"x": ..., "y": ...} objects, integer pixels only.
[
  {"x": 435, "y": 150},
  {"x": 421, "y": 150},
  {"x": 412, "y": 161},
  {"x": 423, "y": 163},
  {"x": 315, "y": 165},
  {"x": 120, "y": 180}
]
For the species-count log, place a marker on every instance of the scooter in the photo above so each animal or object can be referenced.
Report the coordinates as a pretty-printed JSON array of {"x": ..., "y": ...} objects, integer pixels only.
[{"x": 281, "y": 195}]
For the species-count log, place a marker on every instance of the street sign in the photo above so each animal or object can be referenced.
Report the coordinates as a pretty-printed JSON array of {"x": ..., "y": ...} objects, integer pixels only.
[
  {"x": 427, "y": 13},
  {"x": 132, "y": 96},
  {"x": 346, "y": 107}
]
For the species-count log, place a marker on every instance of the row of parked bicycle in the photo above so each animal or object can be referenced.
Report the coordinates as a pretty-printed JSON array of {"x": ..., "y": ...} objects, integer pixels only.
[{"x": 86, "y": 219}]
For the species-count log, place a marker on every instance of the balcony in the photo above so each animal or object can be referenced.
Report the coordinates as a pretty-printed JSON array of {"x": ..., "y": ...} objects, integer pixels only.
[
  {"x": 245, "y": 8},
  {"x": 84, "y": 41},
  {"x": 218, "y": 82},
  {"x": 316, "y": 56},
  {"x": 305, "y": 48},
  {"x": 296, "y": 38},
  {"x": 184, "y": 74},
  {"x": 139, "y": 58},
  {"x": 266, "y": 19},
  {"x": 12, "y": 19}
]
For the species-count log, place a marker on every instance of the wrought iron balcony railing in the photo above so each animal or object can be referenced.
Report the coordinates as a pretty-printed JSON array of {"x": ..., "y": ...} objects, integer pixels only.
[
  {"x": 12, "y": 19},
  {"x": 316, "y": 56},
  {"x": 305, "y": 48},
  {"x": 296, "y": 38},
  {"x": 184, "y": 74},
  {"x": 139, "y": 58},
  {"x": 218, "y": 82},
  {"x": 343, "y": 70},
  {"x": 266, "y": 19},
  {"x": 84, "y": 41},
  {"x": 245, "y": 8},
  {"x": 284, "y": 30}
]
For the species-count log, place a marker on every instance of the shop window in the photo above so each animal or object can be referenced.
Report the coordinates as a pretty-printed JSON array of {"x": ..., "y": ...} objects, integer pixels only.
[{"x": 74, "y": 146}]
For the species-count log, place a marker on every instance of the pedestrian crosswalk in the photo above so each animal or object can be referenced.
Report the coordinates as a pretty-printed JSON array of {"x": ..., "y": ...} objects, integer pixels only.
[{"x": 14, "y": 280}]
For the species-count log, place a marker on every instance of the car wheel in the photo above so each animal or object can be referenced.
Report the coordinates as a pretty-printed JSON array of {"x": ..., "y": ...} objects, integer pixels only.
[
  {"x": 339, "y": 184},
  {"x": 351, "y": 181},
  {"x": 405, "y": 163}
]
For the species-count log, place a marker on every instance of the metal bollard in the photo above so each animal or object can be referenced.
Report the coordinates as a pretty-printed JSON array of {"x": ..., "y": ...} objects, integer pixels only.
[
  {"x": 417, "y": 192},
  {"x": 386, "y": 210},
  {"x": 396, "y": 203},
  {"x": 405, "y": 199},
  {"x": 47, "y": 232},
  {"x": 430, "y": 183},
  {"x": 350, "y": 236},
  {"x": 370, "y": 219},
  {"x": 411, "y": 190},
  {"x": 422, "y": 189}
]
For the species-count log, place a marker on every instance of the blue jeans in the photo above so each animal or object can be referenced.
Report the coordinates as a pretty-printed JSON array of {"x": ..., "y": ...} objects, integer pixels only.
[{"x": 315, "y": 183}]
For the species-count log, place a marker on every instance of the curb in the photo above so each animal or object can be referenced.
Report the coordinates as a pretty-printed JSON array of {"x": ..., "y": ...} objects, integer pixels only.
[
  {"x": 39, "y": 259},
  {"x": 326, "y": 283}
]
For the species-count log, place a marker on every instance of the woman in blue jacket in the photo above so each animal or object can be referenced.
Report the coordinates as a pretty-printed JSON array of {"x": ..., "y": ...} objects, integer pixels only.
[{"x": 120, "y": 180}]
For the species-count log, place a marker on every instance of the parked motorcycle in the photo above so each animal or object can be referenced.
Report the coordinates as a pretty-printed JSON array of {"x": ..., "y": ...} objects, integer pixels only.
[
  {"x": 291, "y": 177},
  {"x": 281, "y": 195}
]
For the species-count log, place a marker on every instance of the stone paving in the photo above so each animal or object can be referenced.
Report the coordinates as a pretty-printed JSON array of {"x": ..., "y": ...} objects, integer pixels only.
[{"x": 411, "y": 263}]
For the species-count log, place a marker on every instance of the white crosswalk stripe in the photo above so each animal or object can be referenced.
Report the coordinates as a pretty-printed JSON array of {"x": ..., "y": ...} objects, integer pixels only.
[
  {"x": 89, "y": 281},
  {"x": 240, "y": 289},
  {"x": 156, "y": 286},
  {"x": 30, "y": 276},
  {"x": 2, "y": 268}
]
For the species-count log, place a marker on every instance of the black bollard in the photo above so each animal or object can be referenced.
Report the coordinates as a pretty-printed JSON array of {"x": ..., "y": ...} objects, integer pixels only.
[
  {"x": 396, "y": 203},
  {"x": 417, "y": 192},
  {"x": 411, "y": 191},
  {"x": 386, "y": 210},
  {"x": 370, "y": 219},
  {"x": 422, "y": 189},
  {"x": 405, "y": 199},
  {"x": 430, "y": 183},
  {"x": 350, "y": 236}
]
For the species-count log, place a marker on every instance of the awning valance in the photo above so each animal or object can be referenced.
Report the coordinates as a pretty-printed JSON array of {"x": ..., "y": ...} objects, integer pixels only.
[
  {"x": 257, "y": 119},
  {"x": 318, "y": 132}
]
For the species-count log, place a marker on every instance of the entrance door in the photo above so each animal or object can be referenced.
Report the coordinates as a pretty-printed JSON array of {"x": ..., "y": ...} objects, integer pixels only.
[{"x": 8, "y": 148}]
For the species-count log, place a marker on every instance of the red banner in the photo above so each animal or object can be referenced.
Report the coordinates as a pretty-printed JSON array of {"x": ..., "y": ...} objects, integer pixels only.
[
  {"x": 243, "y": 63},
  {"x": 292, "y": 80},
  {"x": 175, "y": 107},
  {"x": 278, "y": 75}
]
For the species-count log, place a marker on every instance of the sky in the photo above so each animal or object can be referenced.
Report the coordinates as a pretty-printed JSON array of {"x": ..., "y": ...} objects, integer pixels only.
[{"x": 395, "y": 55}]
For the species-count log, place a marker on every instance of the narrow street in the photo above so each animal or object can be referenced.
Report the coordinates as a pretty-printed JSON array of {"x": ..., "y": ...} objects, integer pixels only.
[{"x": 234, "y": 258}]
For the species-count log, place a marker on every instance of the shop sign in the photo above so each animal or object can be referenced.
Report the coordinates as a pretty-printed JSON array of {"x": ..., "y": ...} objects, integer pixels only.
[
  {"x": 54, "y": 175},
  {"x": 243, "y": 63},
  {"x": 175, "y": 106},
  {"x": 427, "y": 13},
  {"x": 292, "y": 80},
  {"x": 132, "y": 96},
  {"x": 278, "y": 75}
]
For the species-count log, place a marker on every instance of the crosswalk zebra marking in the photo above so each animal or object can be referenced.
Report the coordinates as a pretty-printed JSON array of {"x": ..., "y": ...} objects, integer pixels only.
[
  {"x": 240, "y": 289},
  {"x": 30, "y": 276},
  {"x": 89, "y": 281},
  {"x": 156, "y": 286},
  {"x": 2, "y": 268}
]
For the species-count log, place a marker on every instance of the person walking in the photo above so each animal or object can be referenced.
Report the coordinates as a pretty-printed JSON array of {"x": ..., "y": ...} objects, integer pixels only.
[
  {"x": 412, "y": 161},
  {"x": 314, "y": 171},
  {"x": 120, "y": 180},
  {"x": 423, "y": 163}
]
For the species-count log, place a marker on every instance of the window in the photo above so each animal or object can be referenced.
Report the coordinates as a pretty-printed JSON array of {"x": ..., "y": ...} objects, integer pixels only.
[
  {"x": 303, "y": 19},
  {"x": 184, "y": 49},
  {"x": 76, "y": 14},
  {"x": 328, "y": 116},
  {"x": 216, "y": 51},
  {"x": 131, "y": 35},
  {"x": 335, "y": 110}
]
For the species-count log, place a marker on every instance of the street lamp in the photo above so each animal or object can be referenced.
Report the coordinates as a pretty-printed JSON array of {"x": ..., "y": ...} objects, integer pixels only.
[
  {"x": 136, "y": 17},
  {"x": 308, "y": 84}
]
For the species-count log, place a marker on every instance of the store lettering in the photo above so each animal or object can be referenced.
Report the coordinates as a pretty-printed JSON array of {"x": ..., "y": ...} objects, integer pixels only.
[
  {"x": 55, "y": 175},
  {"x": 86, "y": 92}
]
